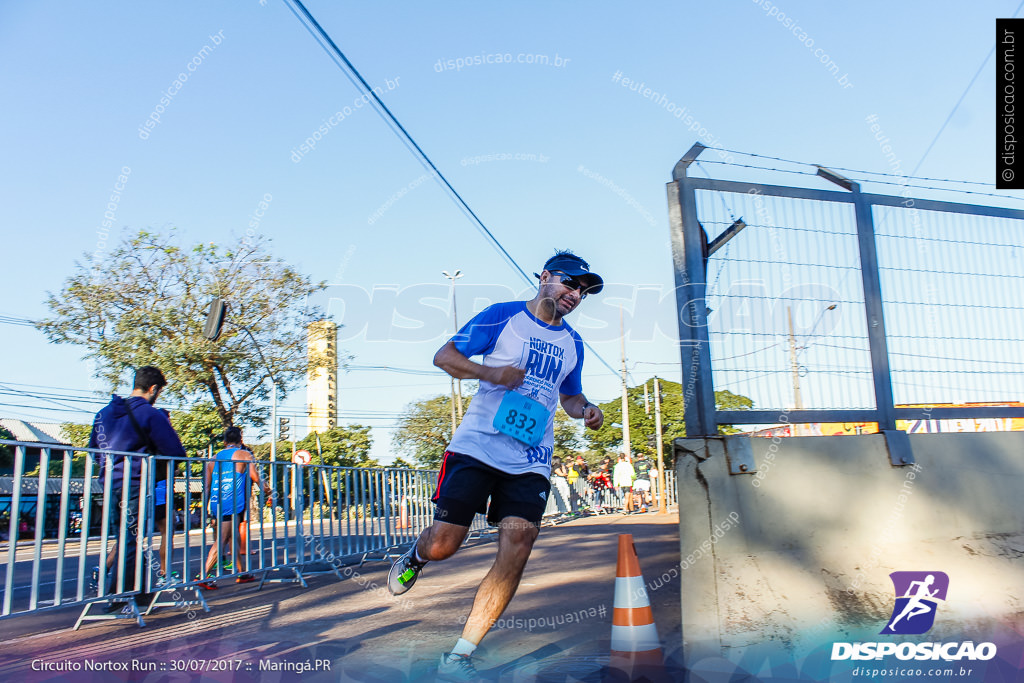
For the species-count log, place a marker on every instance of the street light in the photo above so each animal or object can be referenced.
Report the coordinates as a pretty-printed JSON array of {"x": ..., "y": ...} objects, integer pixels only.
[
  {"x": 816, "y": 322},
  {"x": 456, "y": 397},
  {"x": 215, "y": 319},
  {"x": 798, "y": 403}
]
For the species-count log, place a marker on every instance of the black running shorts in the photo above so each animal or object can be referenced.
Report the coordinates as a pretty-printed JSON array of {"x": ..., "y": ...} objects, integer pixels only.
[{"x": 465, "y": 483}]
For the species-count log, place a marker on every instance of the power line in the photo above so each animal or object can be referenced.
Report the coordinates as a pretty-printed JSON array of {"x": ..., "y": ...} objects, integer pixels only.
[
  {"x": 62, "y": 410},
  {"x": 332, "y": 49},
  {"x": 12, "y": 320},
  {"x": 46, "y": 386},
  {"x": 960, "y": 101},
  {"x": 405, "y": 371},
  {"x": 18, "y": 392},
  {"x": 321, "y": 36}
]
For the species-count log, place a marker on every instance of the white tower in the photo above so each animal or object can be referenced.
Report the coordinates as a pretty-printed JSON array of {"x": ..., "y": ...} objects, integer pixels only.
[{"x": 322, "y": 383}]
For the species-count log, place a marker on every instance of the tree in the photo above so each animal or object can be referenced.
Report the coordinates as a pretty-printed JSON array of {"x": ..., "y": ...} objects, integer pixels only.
[
  {"x": 6, "y": 452},
  {"x": 77, "y": 435},
  {"x": 642, "y": 424},
  {"x": 341, "y": 447},
  {"x": 726, "y": 400},
  {"x": 567, "y": 436},
  {"x": 197, "y": 427},
  {"x": 147, "y": 303},
  {"x": 425, "y": 429},
  {"x": 402, "y": 463}
]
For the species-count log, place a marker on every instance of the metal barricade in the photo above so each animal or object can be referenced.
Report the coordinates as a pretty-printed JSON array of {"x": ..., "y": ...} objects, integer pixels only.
[
  {"x": 87, "y": 531},
  {"x": 148, "y": 553},
  {"x": 582, "y": 497},
  {"x": 66, "y": 525}
]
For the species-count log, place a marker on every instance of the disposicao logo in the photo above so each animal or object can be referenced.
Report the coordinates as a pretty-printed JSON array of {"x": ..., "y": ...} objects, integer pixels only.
[{"x": 917, "y": 597}]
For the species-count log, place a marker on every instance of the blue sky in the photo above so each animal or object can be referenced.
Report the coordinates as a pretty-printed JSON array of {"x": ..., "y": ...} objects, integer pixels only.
[{"x": 80, "y": 80}]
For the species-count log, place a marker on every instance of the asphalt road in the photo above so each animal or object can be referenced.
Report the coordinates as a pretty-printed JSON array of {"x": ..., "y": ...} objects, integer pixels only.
[{"x": 557, "y": 628}]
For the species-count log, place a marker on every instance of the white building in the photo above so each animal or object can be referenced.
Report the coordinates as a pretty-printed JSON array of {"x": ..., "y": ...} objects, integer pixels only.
[{"x": 322, "y": 384}]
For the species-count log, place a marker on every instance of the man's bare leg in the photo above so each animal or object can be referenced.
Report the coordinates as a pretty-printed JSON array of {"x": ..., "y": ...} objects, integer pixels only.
[
  {"x": 166, "y": 529},
  {"x": 440, "y": 540},
  {"x": 515, "y": 542},
  {"x": 243, "y": 543},
  {"x": 224, "y": 536},
  {"x": 112, "y": 556}
]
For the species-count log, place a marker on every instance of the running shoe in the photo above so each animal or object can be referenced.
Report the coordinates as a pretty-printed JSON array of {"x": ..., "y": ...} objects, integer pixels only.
[
  {"x": 245, "y": 578},
  {"x": 457, "y": 668},
  {"x": 404, "y": 572},
  {"x": 209, "y": 583},
  {"x": 162, "y": 579}
]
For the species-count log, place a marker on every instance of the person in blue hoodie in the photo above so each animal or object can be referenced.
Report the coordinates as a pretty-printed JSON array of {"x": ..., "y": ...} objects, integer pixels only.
[{"x": 132, "y": 424}]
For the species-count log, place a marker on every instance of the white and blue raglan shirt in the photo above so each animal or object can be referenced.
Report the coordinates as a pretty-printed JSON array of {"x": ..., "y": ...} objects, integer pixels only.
[{"x": 552, "y": 355}]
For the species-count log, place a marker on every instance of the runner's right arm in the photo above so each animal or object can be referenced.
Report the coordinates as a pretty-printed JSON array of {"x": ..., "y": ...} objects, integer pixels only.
[{"x": 452, "y": 361}]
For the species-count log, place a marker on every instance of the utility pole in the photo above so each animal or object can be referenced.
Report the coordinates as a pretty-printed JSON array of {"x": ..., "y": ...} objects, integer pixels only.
[
  {"x": 273, "y": 420},
  {"x": 454, "y": 423},
  {"x": 456, "y": 396},
  {"x": 455, "y": 319},
  {"x": 625, "y": 397},
  {"x": 798, "y": 402},
  {"x": 662, "y": 505}
]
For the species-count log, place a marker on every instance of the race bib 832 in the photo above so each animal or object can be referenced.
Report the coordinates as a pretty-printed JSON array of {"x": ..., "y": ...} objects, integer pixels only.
[{"x": 521, "y": 418}]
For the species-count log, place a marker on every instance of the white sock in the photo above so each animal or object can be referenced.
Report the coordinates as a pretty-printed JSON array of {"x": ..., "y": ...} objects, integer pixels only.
[
  {"x": 463, "y": 647},
  {"x": 416, "y": 555}
]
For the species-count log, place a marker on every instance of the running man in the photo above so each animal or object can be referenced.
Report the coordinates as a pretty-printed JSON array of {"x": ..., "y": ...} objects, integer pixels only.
[
  {"x": 532, "y": 360},
  {"x": 228, "y": 482},
  {"x": 914, "y": 606}
]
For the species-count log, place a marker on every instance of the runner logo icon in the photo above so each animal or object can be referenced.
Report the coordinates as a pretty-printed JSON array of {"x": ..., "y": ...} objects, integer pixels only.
[{"x": 917, "y": 596}]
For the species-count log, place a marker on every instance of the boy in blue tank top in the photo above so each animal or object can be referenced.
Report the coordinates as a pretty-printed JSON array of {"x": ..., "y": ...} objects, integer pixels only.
[{"x": 228, "y": 481}]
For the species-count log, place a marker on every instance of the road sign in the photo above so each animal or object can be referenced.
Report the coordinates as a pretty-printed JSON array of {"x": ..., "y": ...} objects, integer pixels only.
[{"x": 302, "y": 458}]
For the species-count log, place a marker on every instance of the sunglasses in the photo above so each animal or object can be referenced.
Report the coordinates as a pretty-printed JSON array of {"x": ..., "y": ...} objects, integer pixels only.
[{"x": 569, "y": 282}]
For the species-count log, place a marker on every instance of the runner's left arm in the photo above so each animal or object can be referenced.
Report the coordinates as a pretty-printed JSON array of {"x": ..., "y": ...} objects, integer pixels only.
[
  {"x": 579, "y": 407},
  {"x": 570, "y": 393}
]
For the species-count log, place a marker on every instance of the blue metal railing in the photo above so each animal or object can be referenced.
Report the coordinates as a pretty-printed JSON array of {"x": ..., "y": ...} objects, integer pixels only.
[{"x": 824, "y": 300}]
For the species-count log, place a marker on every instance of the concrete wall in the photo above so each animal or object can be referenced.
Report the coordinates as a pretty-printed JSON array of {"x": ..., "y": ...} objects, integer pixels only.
[{"x": 779, "y": 563}]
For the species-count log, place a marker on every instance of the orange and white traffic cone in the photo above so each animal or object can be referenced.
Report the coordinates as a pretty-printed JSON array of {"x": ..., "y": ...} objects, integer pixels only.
[
  {"x": 403, "y": 519},
  {"x": 636, "y": 649}
]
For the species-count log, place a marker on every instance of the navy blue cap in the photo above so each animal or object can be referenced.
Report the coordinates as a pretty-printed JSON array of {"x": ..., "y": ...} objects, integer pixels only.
[{"x": 578, "y": 268}]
